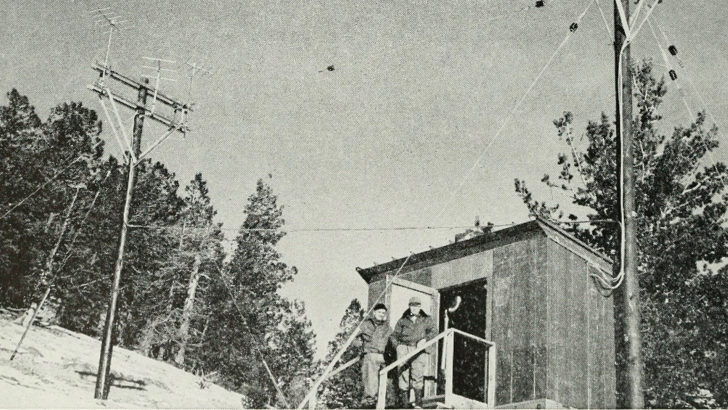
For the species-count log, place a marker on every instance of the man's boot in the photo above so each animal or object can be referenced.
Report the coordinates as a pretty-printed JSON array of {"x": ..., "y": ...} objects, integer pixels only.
[
  {"x": 418, "y": 398},
  {"x": 404, "y": 402}
]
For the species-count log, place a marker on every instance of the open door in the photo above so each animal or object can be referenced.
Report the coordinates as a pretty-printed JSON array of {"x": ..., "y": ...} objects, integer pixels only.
[
  {"x": 464, "y": 306},
  {"x": 399, "y": 295}
]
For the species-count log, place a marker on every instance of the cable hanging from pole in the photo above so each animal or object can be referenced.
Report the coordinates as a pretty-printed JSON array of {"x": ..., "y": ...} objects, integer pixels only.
[
  {"x": 685, "y": 102},
  {"x": 612, "y": 283},
  {"x": 511, "y": 114}
]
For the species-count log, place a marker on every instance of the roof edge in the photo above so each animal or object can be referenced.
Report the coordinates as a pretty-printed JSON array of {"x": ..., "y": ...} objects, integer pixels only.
[
  {"x": 416, "y": 258},
  {"x": 538, "y": 224}
]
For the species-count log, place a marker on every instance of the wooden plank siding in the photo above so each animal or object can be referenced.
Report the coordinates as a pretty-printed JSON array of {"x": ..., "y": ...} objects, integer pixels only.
[
  {"x": 580, "y": 334},
  {"x": 540, "y": 320},
  {"x": 517, "y": 278},
  {"x": 553, "y": 329}
]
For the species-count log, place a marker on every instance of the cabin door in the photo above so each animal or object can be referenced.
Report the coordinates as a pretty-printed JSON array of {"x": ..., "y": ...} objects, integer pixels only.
[{"x": 399, "y": 296}]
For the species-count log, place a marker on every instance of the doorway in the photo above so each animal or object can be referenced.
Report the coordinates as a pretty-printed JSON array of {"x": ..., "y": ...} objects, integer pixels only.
[{"x": 464, "y": 307}]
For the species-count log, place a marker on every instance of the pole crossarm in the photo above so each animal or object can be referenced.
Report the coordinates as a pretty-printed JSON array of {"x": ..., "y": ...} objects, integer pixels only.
[
  {"x": 103, "y": 69},
  {"x": 178, "y": 126}
]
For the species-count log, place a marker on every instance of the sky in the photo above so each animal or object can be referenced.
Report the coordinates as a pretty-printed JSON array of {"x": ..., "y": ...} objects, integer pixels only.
[{"x": 392, "y": 136}]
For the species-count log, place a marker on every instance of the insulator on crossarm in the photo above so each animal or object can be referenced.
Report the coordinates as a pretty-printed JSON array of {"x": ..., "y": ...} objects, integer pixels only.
[
  {"x": 573, "y": 27},
  {"x": 673, "y": 50},
  {"x": 673, "y": 75}
]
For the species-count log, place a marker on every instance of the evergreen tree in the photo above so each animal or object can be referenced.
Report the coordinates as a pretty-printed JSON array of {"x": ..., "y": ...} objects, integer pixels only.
[
  {"x": 344, "y": 390},
  {"x": 681, "y": 208},
  {"x": 291, "y": 347},
  {"x": 48, "y": 173},
  {"x": 248, "y": 311}
]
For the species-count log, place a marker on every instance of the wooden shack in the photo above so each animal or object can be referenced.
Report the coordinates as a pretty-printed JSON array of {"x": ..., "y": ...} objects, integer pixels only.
[{"x": 529, "y": 289}]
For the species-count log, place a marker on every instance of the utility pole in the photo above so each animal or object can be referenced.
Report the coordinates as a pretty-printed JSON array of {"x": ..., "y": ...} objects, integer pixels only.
[
  {"x": 134, "y": 157},
  {"x": 630, "y": 289}
]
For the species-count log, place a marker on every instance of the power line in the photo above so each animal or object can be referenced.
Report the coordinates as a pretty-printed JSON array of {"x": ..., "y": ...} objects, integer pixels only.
[
  {"x": 334, "y": 229},
  {"x": 255, "y": 347},
  {"x": 687, "y": 106},
  {"x": 572, "y": 30},
  {"x": 57, "y": 174}
]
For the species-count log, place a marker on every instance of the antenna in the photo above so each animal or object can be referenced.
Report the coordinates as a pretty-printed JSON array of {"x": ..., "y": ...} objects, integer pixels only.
[
  {"x": 157, "y": 66},
  {"x": 196, "y": 69},
  {"x": 107, "y": 16}
]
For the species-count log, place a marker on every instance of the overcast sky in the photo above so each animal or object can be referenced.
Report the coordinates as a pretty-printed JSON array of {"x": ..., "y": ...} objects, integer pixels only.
[{"x": 418, "y": 91}]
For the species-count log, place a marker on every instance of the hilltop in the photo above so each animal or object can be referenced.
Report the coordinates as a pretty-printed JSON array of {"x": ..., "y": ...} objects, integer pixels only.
[{"x": 57, "y": 368}]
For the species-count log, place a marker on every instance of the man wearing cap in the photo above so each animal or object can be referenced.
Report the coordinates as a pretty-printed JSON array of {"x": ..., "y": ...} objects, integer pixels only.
[
  {"x": 413, "y": 329},
  {"x": 373, "y": 339}
]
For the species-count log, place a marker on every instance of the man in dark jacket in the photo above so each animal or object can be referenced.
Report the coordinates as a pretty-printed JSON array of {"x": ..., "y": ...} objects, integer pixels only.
[
  {"x": 413, "y": 329},
  {"x": 373, "y": 339}
]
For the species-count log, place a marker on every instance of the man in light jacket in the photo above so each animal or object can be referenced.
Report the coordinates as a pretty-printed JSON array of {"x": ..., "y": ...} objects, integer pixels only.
[{"x": 413, "y": 329}]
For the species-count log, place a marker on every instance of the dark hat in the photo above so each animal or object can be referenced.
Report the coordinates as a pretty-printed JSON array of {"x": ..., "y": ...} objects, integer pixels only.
[
  {"x": 415, "y": 301},
  {"x": 379, "y": 306}
]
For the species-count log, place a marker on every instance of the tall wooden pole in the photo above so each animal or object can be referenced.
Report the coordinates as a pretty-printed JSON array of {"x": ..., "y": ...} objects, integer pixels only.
[
  {"x": 102, "y": 378},
  {"x": 630, "y": 287}
]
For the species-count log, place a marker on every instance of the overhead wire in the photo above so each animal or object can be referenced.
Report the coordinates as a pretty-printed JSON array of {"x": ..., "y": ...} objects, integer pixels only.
[
  {"x": 83, "y": 221},
  {"x": 255, "y": 347},
  {"x": 388, "y": 280},
  {"x": 56, "y": 175},
  {"x": 604, "y": 18},
  {"x": 695, "y": 89},
  {"x": 314, "y": 229},
  {"x": 687, "y": 106},
  {"x": 512, "y": 113}
]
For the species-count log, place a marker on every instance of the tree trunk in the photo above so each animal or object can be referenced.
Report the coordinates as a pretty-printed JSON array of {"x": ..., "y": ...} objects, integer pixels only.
[
  {"x": 48, "y": 271},
  {"x": 187, "y": 311}
]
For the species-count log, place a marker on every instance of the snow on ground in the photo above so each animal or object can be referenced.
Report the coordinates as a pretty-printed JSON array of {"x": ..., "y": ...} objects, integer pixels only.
[{"x": 57, "y": 368}]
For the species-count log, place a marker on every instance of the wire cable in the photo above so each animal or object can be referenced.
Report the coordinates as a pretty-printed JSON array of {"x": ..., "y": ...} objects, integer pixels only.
[
  {"x": 617, "y": 280},
  {"x": 511, "y": 114},
  {"x": 245, "y": 322},
  {"x": 388, "y": 281},
  {"x": 64, "y": 169},
  {"x": 83, "y": 222},
  {"x": 606, "y": 24},
  {"x": 299, "y": 230},
  {"x": 687, "y": 106}
]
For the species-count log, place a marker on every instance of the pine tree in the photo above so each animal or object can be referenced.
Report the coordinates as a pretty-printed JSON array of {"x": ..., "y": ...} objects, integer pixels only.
[
  {"x": 48, "y": 176},
  {"x": 291, "y": 347},
  {"x": 248, "y": 312},
  {"x": 344, "y": 390},
  {"x": 681, "y": 207}
]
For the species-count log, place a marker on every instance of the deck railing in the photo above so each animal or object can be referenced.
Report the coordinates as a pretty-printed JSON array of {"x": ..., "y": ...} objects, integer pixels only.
[{"x": 449, "y": 399}]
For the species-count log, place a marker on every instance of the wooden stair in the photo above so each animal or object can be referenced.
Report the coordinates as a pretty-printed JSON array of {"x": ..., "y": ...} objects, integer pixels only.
[{"x": 456, "y": 402}]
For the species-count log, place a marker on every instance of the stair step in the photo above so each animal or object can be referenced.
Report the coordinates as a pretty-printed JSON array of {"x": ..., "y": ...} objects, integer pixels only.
[{"x": 434, "y": 402}]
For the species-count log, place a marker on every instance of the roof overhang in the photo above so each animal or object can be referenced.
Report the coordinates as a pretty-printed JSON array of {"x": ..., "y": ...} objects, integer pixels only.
[{"x": 491, "y": 240}]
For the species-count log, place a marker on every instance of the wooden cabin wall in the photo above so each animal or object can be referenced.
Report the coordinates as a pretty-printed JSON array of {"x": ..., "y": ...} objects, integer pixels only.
[
  {"x": 580, "y": 334},
  {"x": 375, "y": 290},
  {"x": 519, "y": 320}
]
